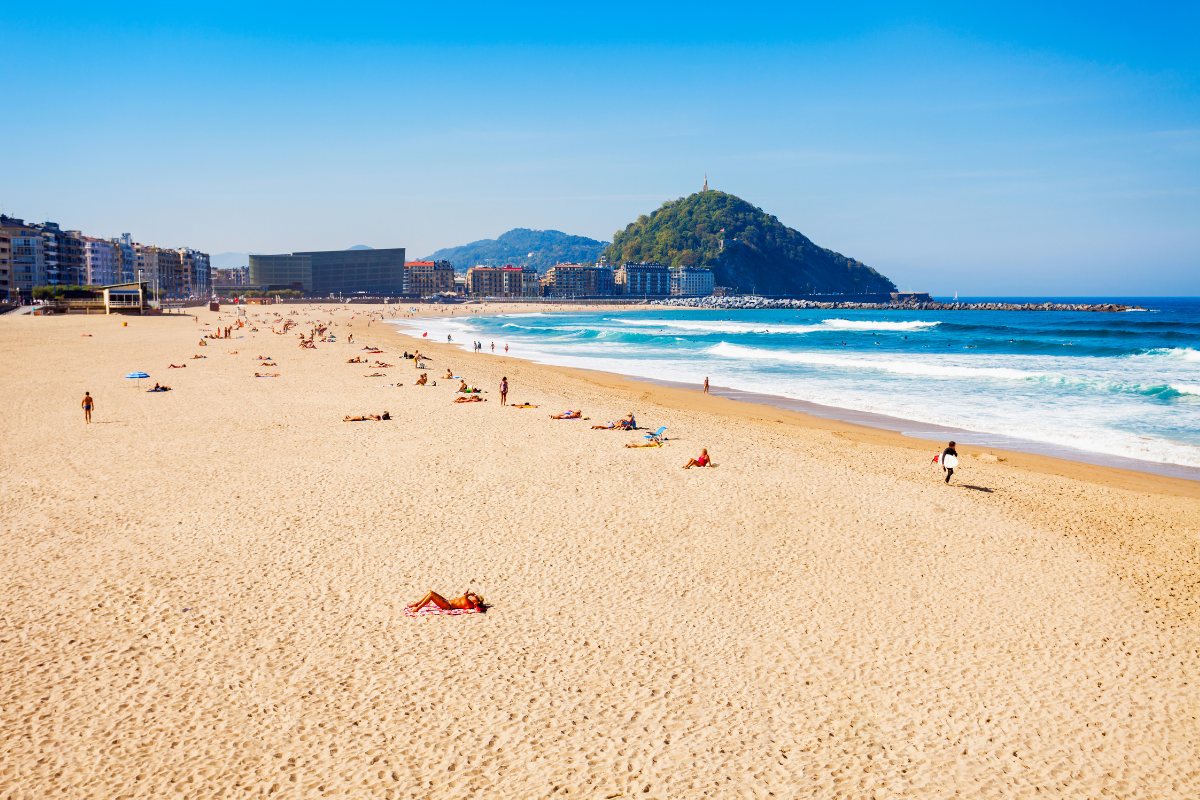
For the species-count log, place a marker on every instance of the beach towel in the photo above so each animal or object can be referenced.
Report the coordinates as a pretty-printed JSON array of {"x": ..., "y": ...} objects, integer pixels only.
[{"x": 431, "y": 611}]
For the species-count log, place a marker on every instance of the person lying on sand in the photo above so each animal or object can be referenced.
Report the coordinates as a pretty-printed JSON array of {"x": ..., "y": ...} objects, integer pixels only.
[
  {"x": 468, "y": 601},
  {"x": 472, "y": 398},
  {"x": 356, "y": 360},
  {"x": 702, "y": 461},
  {"x": 369, "y": 417},
  {"x": 568, "y": 415},
  {"x": 424, "y": 379},
  {"x": 379, "y": 363},
  {"x": 645, "y": 444},
  {"x": 266, "y": 374},
  {"x": 177, "y": 366},
  {"x": 158, "y": 388},
  {"x": 198, "y": 356},
  {"x": 376, "y": 375},
  {"x": 203, "y": 343}
]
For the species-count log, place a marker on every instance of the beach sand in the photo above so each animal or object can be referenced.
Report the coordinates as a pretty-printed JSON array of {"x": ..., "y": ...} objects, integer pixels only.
[{"x": 204, "y": 590}]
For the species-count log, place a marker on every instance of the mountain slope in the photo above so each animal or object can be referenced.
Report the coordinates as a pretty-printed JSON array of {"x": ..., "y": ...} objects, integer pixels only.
[
  {"x": 760, "y": 255},
  {"x": 522, "y": 246}
]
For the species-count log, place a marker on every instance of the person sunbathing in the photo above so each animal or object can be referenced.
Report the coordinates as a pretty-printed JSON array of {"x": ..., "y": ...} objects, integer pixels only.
[
  {"x": 702, "y": 461},
  {"x": 368, "y": 418},
  {"x": 379, "y": 363},
  {"x": 266, "y": 374},
  {"x": 462, "y": 386},
  {"x": 644, "y": 444},
  {"x": 356, "y": 360},
  {"x": 424, "y": 379},
  {"x": 612, "y": 426},
  {"x": 470, "y": 398},
  {"x": 568, "y": 415},
  {"x": 158, "y": 388},
  {"x": 627, "y": 423},
  {"x": 468, "y": 602},
  {"x": 268, "y": 364},
  {"x": 448, "y": 374},
  {"x": 177, "y": 366},
  {"x": 199, "y": 356},
  {"x": 375, "y": 375}
]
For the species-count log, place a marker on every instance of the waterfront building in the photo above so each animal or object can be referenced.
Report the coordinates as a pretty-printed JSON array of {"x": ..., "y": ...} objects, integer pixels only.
[
  {"x": 577, "y": 280},
  {"x": 425, "y": 278},
  {"x": 101, "y": 262},
  {"x": 332, "y": 271},
  {"x": 5, "y": 264},
  {"x": 63, "y": 255},
  {"x": 27, "y": 261},
  {"x": 236, "y": 276},
  {"x": 691, "y": 282},
  {"x": 125, "y": 244},
  {"x": 196, "y": 271},
  {"x": 644, "y": 278},
  {"x": 506, "y": 281}
]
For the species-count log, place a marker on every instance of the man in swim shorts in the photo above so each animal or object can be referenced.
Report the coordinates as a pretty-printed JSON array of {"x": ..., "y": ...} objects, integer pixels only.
[{"x": 88, "y": 404}]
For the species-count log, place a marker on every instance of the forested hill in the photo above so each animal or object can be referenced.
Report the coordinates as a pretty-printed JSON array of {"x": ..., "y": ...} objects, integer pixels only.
[
  {"x": 523, "y": 247},
  {"x": 761, "y": 255}
]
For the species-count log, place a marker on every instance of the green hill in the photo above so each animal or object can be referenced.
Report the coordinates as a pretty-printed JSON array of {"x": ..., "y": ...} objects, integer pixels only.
[
  {"x": 522, "y": 246},
  {"x": 760, "y": 255}
]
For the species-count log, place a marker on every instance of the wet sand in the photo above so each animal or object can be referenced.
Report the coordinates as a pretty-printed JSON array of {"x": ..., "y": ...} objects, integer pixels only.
[{"x": 204, "y": 589}]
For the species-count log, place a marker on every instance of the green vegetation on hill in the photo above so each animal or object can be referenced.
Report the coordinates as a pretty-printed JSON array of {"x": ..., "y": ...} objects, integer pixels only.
[
  {"x": 761, "y": 255},
  {"x": 522, "y": 247}
]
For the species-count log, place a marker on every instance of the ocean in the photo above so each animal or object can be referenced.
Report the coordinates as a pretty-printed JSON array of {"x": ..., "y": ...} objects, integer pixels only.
[{"x": 1111, "y": 388}]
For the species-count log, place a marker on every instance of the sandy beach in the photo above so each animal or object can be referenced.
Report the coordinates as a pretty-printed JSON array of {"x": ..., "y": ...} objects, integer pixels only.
[{"x": 204, "y": 589}]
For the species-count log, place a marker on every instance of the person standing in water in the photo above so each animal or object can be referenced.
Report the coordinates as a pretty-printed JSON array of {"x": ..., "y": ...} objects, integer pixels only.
[
  {"x": 503, "y": 390},
  {"x": 706, "y": 385},
  {"x": 949, "y": 451},
  {"x": 88, "y": 404}
]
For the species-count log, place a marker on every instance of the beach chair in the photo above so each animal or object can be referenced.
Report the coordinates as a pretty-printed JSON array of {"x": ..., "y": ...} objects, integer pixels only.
[{"x": 657, "y": 436}]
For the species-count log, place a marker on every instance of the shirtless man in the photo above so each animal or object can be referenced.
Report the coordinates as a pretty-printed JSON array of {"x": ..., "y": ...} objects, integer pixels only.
[{"x": 88, "y": 405}]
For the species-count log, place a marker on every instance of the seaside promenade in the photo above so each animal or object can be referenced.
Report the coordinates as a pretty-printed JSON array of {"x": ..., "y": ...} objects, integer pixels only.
[{"x": 204, "y": 589}]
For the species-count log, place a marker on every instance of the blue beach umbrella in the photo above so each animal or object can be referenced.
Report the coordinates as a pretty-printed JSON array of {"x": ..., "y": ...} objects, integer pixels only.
[{"x": 138, "y": 376}]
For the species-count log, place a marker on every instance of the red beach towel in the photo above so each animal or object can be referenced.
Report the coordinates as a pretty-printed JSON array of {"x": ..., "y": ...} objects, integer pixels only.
[{"x": 432, "y": 610}]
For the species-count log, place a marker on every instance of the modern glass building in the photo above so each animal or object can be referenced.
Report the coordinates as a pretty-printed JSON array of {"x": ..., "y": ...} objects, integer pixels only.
[{"x": 332, "y": 271}]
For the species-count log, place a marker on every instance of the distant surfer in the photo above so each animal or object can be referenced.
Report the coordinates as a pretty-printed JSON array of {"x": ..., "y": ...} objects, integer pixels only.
[{"x": 949, "y": 461}]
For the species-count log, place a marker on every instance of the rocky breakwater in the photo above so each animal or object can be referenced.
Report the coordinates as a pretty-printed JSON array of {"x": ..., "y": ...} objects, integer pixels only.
[{"x": 754, "y": 302}]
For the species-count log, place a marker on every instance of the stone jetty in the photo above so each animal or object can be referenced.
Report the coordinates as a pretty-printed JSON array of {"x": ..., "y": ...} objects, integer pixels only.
[{"x": 757, "y": 302}]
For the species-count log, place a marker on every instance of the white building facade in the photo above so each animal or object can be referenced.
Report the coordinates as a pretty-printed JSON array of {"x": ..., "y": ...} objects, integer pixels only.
[
  {"x": 691, "y": 282},
  {"x": 102, "y": 262}
]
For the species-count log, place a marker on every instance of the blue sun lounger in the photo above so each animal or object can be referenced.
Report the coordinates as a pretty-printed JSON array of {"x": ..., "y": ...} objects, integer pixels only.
[{"x": 657, "y": 436}]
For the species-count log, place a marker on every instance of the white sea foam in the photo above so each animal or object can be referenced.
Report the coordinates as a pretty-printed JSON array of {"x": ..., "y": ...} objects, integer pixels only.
[
  {"x": 829, "y": 325},
  {"x": 1177, "y": 353},
  {"x": 897, "y": 366}
]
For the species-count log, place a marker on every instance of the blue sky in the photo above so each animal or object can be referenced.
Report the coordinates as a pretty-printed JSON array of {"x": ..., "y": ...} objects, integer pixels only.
[{"x": 1003, "y": 150}]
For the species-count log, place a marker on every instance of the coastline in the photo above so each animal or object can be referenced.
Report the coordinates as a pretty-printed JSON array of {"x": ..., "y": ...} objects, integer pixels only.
[{"x": 1039, "y": 457}]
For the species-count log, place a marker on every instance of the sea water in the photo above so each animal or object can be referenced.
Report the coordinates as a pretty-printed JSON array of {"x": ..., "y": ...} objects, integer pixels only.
[{"x": 1123, "y": 384}]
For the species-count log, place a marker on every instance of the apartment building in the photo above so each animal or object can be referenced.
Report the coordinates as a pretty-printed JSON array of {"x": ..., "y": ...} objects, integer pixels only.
[
  {"x": 235, "y": 276},
  {"x": 196, "y": 271},
  {"x": 63, "y": 255},
  {"x": 101, "y": 262},
  {"x": 647, "y": 278},
  {"x": 577, "y": 280},
  {"x": 691, "y": 281},
  {"x": 506, "y": 281},
  {"x": 27, "y": 262},
  {"x": 426, "y": 278},
  {"x": 5, "y": 264}
]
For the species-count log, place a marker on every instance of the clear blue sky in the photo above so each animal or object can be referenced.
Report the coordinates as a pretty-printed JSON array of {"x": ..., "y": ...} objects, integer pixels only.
[{"x": 1003, "y": 150}]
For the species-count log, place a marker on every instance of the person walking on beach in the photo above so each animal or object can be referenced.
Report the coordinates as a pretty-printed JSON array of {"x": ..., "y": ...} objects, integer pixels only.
[
  {"x": 706, "y": 385},
  {"x": 88, "y": 404},
  {"x": 506, "y": 348},
  {"x": 949, "y": 451},
  {"x": 493, "y": 348},
  {"x": 504, "y": 390}
]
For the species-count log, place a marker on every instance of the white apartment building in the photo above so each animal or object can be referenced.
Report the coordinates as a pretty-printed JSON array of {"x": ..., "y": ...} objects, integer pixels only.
[
  {"x": 124, "y": 243},
  {"x": 27, "y": 262},
  {"x": 102, "y": 262},
  {"x": 691, "y": 281},
  {"x": 196, "y": 269}
]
